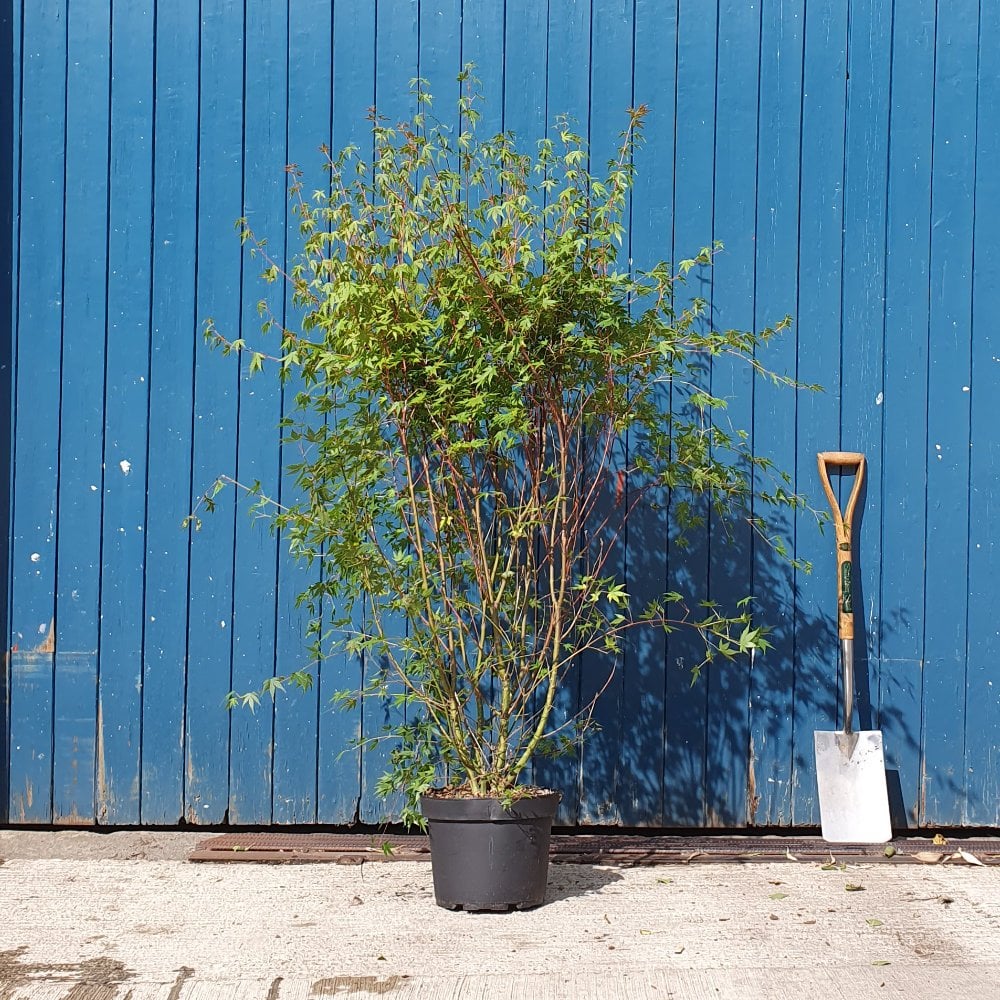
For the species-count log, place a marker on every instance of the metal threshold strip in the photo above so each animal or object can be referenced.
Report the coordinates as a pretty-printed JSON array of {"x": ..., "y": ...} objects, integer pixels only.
[{"x": 601, "y": 849}]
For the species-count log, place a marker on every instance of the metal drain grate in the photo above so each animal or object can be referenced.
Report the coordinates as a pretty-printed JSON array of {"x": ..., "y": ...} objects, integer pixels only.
[{"x": 298, "y": 848}]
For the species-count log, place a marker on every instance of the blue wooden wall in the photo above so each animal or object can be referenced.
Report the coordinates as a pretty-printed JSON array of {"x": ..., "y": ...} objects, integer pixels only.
[{"x": 845, "y": 153}]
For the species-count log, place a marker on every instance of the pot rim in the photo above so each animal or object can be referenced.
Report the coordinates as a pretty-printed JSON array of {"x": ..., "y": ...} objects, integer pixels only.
[{"x": 488, "y": 809}]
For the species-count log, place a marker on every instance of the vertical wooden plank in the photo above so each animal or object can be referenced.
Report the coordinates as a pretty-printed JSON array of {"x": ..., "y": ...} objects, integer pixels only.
[
  {"x": 774, "y": 406},
  {"x": 982, "y": 706},
  {"x": 483, "y": 44},
  {"x": 37, "y": 386},
  {"x": 687, "y": 562},
  {"x": 174, "y": 342},
  {"x": 483, "y": 38},
  {"x": 641, "y": 774},
  {"x": 904, "y": 459},
  {"x": 396, "y": 29},
  {"x": 81, "y": 432},
  {"x": 735, "y": 195},
  {"x": 568, "y": 88},
  {"x": 258, "y": 455},
  {"x": 126, "y": 411},
  {"x": 296, "y": 716},
  {"x": 353, "y": 93},
  {"x": 601, "y": 675},
  {"x": 948, "y": 416},
  {"x": 219, "y": 265},
  {"x": 818, "y": 414},
  {"x": 9, "y": 129},
  {"x": 440, "y": 56},
  {"x": 863, "y": 329},
  {"x": 524, "y": 48}
]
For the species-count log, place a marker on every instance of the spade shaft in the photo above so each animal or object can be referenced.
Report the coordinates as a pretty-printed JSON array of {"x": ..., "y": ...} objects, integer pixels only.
[{"x": 844, "y": 531}]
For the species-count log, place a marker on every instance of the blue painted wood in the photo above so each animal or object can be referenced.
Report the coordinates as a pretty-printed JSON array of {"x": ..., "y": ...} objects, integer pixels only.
[
  {"x": 35, "y": 508},
  {"x": 82, "y": 416},
  {"x": 219, "y": 268},
  {"x": 885, "y": 262},
  {"x": 482, "y": 39},
  {"x": 524, "y": 56},
  {"x": 818, "y": 413},
  {"x": 687, "y": 559},
  {"x": 10, "y": 58},
  {"x": 948, "y": 418},
  {"x": 568, "y": 94},
  {"x": 395, "y": 66},
  {"x": 525, "y": 49},
  {"x": 641, "y": 777},
  {"x": 863, "y": 329},
  {"x": 776, "y": 235},
  {"x": 904, "y": 443},
  {"x": 339, "y": 768},
  {"x": 601, "y": 675},
  {"x": 171, "y": 380},
  {"x": 258, "y": 457},
  {"x": 297, "y": 716},
  {"x": 982, "y": 706},
  {"x": 728, "y": 684},
  {"x": 440, "y": 54},
  {"x": 126, "y": 410}
]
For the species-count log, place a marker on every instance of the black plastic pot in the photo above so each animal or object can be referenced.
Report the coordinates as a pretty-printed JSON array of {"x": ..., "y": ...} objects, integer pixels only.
[{"x": 485, "y": 857}]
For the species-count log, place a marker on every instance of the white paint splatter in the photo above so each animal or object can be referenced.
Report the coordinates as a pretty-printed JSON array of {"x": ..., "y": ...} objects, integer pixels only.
[
  {"x": 93, "y": 489},
  {"x": 222, "y": 624},
  {"x": 965, "y": 388},
  {"x": 35, "y": 556},
  {"x": 125, "y": 465},
  {"x": 42, "y": 628},
  {"x": 152, "y": 618},
  {"x": 879, "y": 398}
]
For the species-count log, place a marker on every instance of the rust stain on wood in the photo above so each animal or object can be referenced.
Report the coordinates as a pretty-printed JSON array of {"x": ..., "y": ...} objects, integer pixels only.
[
  {"x": 753, "y": 799},
  {"x": 920, "y": 807},
  {"x": 21, "y": 804},
  {"x": 102, "y": 784},
  {"x": 72, "y": 818},
  {"x": 48, "y": 645}
]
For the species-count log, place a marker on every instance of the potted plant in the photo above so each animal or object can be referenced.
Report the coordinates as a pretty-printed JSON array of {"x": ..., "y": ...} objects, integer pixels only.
[{"x": 471, "y": 356}]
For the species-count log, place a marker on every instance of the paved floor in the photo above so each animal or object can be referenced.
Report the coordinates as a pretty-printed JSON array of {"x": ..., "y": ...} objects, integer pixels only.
[{"x": 85, "y": 917}]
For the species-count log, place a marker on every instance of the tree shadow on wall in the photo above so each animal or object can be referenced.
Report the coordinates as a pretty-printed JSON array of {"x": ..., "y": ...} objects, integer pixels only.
[{"x": 732, "y": 748}]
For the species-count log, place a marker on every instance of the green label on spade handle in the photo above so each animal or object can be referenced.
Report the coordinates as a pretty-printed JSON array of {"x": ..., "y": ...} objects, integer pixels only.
[{"x": 846, "y": 593}]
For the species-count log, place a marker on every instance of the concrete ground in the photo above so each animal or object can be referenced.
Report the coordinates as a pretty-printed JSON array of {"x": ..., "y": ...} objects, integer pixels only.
[{"x": 122, "y": 916}]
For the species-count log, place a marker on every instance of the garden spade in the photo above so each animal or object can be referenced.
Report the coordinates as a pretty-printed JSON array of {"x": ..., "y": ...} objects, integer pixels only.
[{"x": 850, "y": 765}]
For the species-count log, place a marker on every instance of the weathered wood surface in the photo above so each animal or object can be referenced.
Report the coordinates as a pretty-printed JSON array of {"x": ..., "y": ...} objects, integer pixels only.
[{"x": 844, "y": 157}]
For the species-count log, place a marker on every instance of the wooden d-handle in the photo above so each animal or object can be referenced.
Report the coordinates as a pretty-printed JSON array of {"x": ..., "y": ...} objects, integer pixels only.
[{"x": 844, "y": 525}]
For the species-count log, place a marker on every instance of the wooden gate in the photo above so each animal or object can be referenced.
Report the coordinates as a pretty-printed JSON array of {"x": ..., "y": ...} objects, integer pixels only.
[{"x": 846, "y": 156}]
